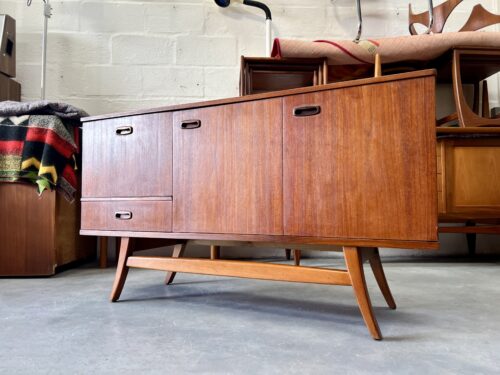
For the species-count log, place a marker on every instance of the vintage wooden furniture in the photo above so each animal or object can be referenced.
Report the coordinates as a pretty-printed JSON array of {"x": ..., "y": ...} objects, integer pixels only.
[
  {"x": 263, "y": 74},
  {"x": 478, "y": 19},
  {"x": 469, "y": 181},
  {"x": 39, "y": 234},
  {"x": 349, "y": 164}
]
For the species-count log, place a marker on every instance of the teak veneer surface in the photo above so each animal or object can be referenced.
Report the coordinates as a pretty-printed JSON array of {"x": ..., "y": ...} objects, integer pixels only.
[
  {"x": 229, "y": 171},
  {"x": 357, "y": 164},
  {"x": 107, "y": 157},
  {"x": 350, "y": 163},
  {"x": 39, "y": 233}
]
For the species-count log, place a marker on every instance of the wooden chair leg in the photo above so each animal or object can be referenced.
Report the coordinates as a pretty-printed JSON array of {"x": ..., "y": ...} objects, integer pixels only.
[
  {"x": 126, "y": 250},
  {"x": 103, "y": 252},
  {"x": 177, "y": 253},
  {"x": 354, "y": 263},
  {"x": 297, "y": 255},
  {"x": 288, "y": 253},
  {"x": 378, "y": 271},
  {"x": 214, "y": 252}
]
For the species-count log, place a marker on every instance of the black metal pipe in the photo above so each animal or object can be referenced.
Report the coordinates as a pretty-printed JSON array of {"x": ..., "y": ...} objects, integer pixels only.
[
  {"x": 259, "y": 5},
  {"x": 251, "y": 3}
]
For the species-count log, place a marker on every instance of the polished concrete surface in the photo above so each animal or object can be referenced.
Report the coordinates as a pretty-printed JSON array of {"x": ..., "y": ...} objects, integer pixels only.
[{"x": 447, "y": 322}]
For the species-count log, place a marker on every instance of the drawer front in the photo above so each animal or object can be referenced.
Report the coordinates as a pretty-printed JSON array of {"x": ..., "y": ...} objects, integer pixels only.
[
  {"x": 128, "y": 157},
  {"x": 472, "y": 171},
  {"x": 127, "y": 215}
]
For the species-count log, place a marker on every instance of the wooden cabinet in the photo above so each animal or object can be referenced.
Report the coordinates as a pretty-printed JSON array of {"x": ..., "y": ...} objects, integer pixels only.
[
  {"x": 228, "y": 169},
  {"x": 353, "y": 160},
  {"x": 351, "y": 165},
  {"x": 332, "y": 163},
  {"x": 39, "y": 233}
]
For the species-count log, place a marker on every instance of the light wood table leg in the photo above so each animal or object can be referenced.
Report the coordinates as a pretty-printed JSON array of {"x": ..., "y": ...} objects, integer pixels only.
[
  {"x": 354, "y": 263},
  {"x": 378, "y": 271},
  {"x": 121, "y": 268},
  {"x": 177, "y": 253},
  {"x": 103, "y": 252}
]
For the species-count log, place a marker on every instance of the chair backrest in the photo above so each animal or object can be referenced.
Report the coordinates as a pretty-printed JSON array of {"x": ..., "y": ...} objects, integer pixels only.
[{"x": 478, "y": 19}]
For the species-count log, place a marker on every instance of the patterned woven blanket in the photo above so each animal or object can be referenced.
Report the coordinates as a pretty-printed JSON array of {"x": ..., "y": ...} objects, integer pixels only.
[{"x": 40, "y": 149}]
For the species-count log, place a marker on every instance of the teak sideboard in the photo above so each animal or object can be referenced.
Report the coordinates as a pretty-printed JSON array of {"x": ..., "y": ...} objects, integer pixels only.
[{"x": 349, "y": 166}]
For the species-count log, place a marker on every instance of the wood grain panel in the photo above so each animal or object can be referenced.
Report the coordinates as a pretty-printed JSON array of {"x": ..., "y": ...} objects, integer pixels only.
[
  {"x": 154, "y": 216},
  {"x": 472, "y": 170},
  {"x": 133, "y": 165},
  {"x": 26, "y": 231},
  {"x": 252, "y": 270},
  {"x": 365, "y": 167},
  {"x": 228, "y": 172}
]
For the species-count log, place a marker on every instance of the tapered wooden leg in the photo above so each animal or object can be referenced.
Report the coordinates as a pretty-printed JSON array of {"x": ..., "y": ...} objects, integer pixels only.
[
  {"x": 103, "y": 252},
  {"x": 354, "y": 263},
  {"x": 121, "y": 268},
  {"x": 297, "y": 254},
  {"x": 214, "y": 252},
  {"x": 177, "y": 253},
  {"x": 288, "y": 253},
  {"x": 378, "y": 271}
]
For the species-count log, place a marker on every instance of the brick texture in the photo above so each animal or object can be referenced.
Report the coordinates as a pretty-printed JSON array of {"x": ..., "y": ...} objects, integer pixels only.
[{"x": 114, "y": 55}]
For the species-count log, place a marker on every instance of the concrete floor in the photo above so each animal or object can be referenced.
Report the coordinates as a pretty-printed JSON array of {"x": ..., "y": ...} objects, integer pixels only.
[{"x": 447, "y": 322}]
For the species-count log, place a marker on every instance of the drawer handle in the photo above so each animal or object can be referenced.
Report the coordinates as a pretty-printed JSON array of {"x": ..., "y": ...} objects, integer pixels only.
[
  {"x": 124, "y": 130},
  {"x": 190, "y": 124},
  {"x": 123, "y": 215},
  {"x": 308, "y": 110}
]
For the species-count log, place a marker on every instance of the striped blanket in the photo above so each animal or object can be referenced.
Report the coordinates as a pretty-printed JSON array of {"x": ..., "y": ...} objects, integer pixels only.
[{"x": 40, "y": 149}]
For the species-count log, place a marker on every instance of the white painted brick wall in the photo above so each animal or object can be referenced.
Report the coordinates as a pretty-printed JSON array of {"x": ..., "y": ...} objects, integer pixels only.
[{"x": 113, "y": 55}]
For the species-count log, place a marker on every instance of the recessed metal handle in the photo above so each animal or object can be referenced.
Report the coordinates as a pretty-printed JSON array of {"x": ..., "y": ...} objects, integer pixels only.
[
  {"x": 190, "y": 124},
  {"x": 124, "y": 130},
  {"x": 308, "y": 110},
  {"x": 123, "y": 215}
]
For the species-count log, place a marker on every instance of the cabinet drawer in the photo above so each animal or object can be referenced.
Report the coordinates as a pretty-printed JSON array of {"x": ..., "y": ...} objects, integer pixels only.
[
  {"x": 129, "y": 215},
  {"x": 128, "y": 157}
]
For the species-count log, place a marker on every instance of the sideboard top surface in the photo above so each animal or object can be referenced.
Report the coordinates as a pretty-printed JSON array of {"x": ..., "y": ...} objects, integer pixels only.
[{"x": 240, "y": 99}]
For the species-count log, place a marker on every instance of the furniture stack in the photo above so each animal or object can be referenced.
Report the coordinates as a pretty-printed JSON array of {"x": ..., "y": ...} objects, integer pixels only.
[
  {"x": 39, "y": 234},
  {"x": 468, "y": 141}
]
